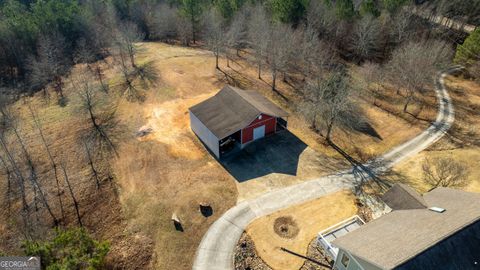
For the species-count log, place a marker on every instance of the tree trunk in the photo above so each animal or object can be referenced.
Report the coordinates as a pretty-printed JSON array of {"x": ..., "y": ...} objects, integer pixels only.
[
  {"x": 52, "y": 161},
  {"x": 259, "y": 70},
  {"x": 406, "y": 104},
  {"x": 329, "y": 130},
  {"x": 18, "y": 173},
  {"x": 93, "y": 119},
  {"x": 37, "y": 187},
  {"x": 92, "y": 167},
  {"x": 132, "y": 59},
  {"x": 216, "y": 60},
  {"x": 192, "y": 20},
  {"x": 274, "y": 79},
  {"x": 98, "y": 70},
  {"x": 25, "y": 213},
  {"x": 9, "y": 182},
  {"x": 75, "y": 203}
]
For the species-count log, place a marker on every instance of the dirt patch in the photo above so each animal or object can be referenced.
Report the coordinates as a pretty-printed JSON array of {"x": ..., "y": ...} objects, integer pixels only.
[
  {"x": 169, "y": 123},
  {"x": 285, "y": 227}
]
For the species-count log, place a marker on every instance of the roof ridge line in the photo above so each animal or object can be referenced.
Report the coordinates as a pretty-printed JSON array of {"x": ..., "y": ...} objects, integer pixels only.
[
  {"x": 421, "y": 196},
  {"x": 236, "y": 89}
]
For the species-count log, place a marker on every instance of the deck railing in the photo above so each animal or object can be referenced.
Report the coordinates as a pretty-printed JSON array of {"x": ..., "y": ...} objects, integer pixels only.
[{"x": 330, "y": 231}]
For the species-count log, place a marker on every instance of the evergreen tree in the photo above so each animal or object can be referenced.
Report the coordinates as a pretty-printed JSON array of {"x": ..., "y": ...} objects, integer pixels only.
[
  {"x": 344, "y": 9},
  {"x": 288, "y": 11},
  {"x": 192, "y": 10},
  {"x": 392, "y": 6},
  {"x": 369, "y": 7},
  {"x": 469, "y": 52},
  {"x": 69, "y": 249}
]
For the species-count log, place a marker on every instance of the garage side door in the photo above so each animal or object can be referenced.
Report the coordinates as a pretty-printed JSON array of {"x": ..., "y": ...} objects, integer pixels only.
[{"x": 259, "y": 132}]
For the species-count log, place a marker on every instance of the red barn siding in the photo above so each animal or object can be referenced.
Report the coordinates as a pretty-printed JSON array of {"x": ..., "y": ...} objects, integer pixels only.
[{"x": 269, "y": 122}]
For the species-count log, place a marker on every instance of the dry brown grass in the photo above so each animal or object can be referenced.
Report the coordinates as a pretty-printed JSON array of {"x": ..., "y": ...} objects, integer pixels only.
[
  {"x": 308, "y": 218},
  {"x": 461, "y": 143},
  {"x": 165, "y": 172},
  {"x": 101, "y": 211},
  {"x": 169, "y": 170},
  {"x": 387, "y": 119}
]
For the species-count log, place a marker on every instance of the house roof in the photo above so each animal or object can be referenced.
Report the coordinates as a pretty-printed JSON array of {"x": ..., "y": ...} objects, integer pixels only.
[
  {"x": 232, "y": 109},
  {"x": 401, "y": 235},
  {"x": 402, "y": 197}
]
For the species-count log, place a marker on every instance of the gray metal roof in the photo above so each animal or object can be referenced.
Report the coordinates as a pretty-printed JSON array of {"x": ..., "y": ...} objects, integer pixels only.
[
  {"x": 232, "y": 109},
  {"x": 401, "y": 235}
]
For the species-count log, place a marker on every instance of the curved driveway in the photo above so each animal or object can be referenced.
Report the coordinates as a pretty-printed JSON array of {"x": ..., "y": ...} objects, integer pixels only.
[{"x": 216, "y": 250}]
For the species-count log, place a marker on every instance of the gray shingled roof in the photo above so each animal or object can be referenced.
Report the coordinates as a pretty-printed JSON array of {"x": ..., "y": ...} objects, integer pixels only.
[
  {"x": 232, "y": 109},
  {"x": 401, "y": 235},
  {"x": 403, "y": 197}
]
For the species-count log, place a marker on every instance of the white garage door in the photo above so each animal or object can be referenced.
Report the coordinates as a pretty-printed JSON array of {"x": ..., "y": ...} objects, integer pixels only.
[{"x": 258, "y": 132}]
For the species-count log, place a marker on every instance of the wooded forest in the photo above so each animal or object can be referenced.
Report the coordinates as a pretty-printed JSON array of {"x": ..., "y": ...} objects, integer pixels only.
[{"x": 310, "y": 44}]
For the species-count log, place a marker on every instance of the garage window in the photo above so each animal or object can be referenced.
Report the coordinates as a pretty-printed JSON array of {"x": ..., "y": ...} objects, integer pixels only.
[{"x": 345, "y": 260}]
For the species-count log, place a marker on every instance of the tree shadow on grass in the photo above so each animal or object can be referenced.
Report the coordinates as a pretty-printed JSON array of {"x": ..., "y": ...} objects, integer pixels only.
[
  {"x": 367, "y": 129},
  {"x": 365, "y": 172}
]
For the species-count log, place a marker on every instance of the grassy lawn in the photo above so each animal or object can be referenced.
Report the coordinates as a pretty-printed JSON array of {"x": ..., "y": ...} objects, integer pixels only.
[
  {"x": 169, "y": 171},
  {"x": 302, "y": 222},
  {"x": 461, "y": 143}
]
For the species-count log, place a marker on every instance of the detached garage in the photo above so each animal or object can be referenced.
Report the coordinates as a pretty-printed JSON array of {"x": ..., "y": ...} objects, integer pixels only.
[{"x": 235, "y": 117}]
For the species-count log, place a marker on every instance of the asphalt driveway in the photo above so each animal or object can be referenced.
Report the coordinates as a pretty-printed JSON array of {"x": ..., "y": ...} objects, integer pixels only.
[{"x": 278, "y": 153}]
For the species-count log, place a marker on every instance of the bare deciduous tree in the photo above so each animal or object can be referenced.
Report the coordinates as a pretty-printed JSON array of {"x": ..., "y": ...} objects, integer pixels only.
[
  {"x": 33, "y": 175},
  {"x": 236, "y": 36},
  {"x": 399, "y": 26},
  {"x": 371, "y": 78},
  {"x": 88, "y": 147},
  {"x": 214, "y": 34},
  {"x": 125, "y": 42},
  {"x": 322, "y": 18},
  {"x": 258, "y": 29},
  {"x": 365, "y": 40},
  {"x": 85, "y": 54},
  {"x": 312, "y": 56},
  {"x": 163, "y": 23},
  {"x": 279, "y": 50},
  {"x": 328, "y": 103},
  {"x": 50, "y": 157},
  {"x": 184, "y": 31},
  {"x": 100, "y": 114},
  {"x": 444, "y": 172},
  {"x": 9, "y": 176},
  {"x": 72, "y": 194},
  {"x": 414, "y": 65},
  {"x": 50, "y": 63}
]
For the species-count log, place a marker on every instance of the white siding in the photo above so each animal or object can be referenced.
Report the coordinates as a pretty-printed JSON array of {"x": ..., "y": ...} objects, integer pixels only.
[
  {"x": 352, "y": 263},
  {"x": 355, "y": 263},
  {"x": 205, "y": 135}
]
